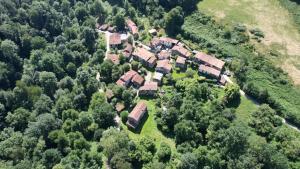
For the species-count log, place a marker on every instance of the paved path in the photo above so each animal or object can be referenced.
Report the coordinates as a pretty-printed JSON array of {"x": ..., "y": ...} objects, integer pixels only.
[{"x": 258, "y": 104}]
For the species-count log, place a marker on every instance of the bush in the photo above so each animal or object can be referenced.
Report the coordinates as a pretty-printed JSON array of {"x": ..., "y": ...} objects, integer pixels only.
[{"x": 124, "y": 116}]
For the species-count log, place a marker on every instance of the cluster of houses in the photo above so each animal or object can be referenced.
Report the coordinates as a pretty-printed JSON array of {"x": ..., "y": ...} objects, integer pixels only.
[{"x": 162, "y": 54}]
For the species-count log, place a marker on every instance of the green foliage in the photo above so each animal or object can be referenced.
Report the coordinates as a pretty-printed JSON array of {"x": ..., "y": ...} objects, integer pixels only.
[
  {"x": 264, "y": 121},
  {"x": 174, "y": 19}
]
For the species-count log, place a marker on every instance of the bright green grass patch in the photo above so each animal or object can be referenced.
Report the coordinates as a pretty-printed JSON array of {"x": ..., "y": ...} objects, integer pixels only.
[
  {"x": 150, "y": 130},
  {"x": 246, "y": 107}
]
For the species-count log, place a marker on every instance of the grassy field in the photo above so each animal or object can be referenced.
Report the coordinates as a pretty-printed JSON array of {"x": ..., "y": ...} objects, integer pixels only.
[
  {"x": 150, "y": 130},
  {"x": 246, "y": 107},
  {"x": 280, "y": 31}
]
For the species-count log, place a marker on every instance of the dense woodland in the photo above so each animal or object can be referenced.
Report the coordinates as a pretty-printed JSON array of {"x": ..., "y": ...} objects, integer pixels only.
[{"x": 52, "y": 115}]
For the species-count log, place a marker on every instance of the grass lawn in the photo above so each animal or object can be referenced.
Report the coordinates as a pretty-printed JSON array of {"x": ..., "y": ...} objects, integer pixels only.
[
  {"x": 244, "y": 110},
  {"x": 150, "y": 130}
]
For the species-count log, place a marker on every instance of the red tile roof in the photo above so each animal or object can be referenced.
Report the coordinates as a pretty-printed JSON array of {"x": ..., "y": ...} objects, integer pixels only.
[
  {"x": 149, "y": 86},
  {"x": 128, "y": 48},
  {"x": 164, "y": 64},
  {"x": 138, "y": 111},
  {"x": 143, "y": 54},
  {"x": 180, "y": 60},
  {"x": 182, "y": 51},
  {"x": 128, "y": 75},
  {"x": 155, "y": 42},
  {"x": 114, "y": 58},
  {"x": 164, "y": 54},
  {"x": 138, "y": 79},
  {"x": 168, "y": 40},
  {"x": 120, "y": 83},
  {"x": 207, "y": 59},
  {"x": 132, "y": 26},
  {"x": 115, "y": 39},
  {"x": 210, "y": 71}
]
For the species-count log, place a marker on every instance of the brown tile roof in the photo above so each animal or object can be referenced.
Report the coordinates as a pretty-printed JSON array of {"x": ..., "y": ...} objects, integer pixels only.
[
  {"x": 142, "y": 53},
  {"x": 149, "y": 86},
  {"x": 207, "y": 59},
  {"x": 132, "y": 26},
  {"x": 180, "y": 60},
  {"x": 114, "y": 58},
  {"x": 115, "y": 39},
  {"x": 138, "y": 79},
  {"x": 164, "y": 64},
  {"x": 210, "y": 71},
  {"x": 120, "y": 83},
  {"x": 164, "y": 54},
  {"x": 168, "y": 40},
  {"x": 128, "y": 75},
  {"x": 138, "y": 111},
  {"x": 152, "y": 60},
  {"x": 128, "y": 48},
  {"x": 155, "y": 42},
  {"x": 183, "y": 51}
]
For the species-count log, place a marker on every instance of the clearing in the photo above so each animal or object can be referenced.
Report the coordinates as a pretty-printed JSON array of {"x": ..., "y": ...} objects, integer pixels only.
[
  {"x": 271, "y": 18},
  {"x": 150, "y": 130}
]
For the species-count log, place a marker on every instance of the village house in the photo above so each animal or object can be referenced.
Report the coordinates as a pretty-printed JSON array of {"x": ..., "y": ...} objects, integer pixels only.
[
  {"x": 114, "y": 58},
  {"x": 164, "y": 54},
  {"x": 168, "y": 42},
  {"x": 181, "y": 62},
  {"x": 127, "y": 51},
  {"x": 132, "y": 28},
  {"x": 155, "y": 45},
  {"x": 157, "y": 77},
  {"x": 145, "y": 57},
  {"x": 163, "y": 66},
  {"x": 137, "y": 80},
  {"x": 203, "y": 58},
  {"x": 209, "y": 71},
  {"x": 181, "y": 51},
  {"x": 136, "y": 115},
  {"x": 126, "y": 78},
  {"x": 115, "y": 40},
  {"x": 149, "y": 89}
]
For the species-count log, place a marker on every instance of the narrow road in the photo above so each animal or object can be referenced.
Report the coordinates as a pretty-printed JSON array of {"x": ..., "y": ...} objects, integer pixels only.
[{"x": 258, "y": 104}]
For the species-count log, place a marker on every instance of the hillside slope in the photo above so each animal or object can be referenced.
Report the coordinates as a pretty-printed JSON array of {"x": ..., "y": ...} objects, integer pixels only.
[{"x": 281, "y": 33}]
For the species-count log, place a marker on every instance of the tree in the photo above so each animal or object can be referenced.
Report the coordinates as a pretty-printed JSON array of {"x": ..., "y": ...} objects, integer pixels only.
[
  {"x": 124, "y": 116},
  {"x": 89, "y": 38},
  {"x": 38, "y": 42},
  {"x": 174, "y": 20},
  {"x": 48, "y": 81},
  {"x": 9, "y": 51},
  {"x": 114, "y": 141},
  {"x": 19, "y": 119},
  {"x": 264, "y": 120},
  {"x": 232, "y": 94},
  {"x": 104, "y": 115},
  {"x": 188, "y": 161},
  {"x": 119, "y": 21},
  {"x": 51, "y": 157},
  {"x": 38, "y": 14},
  {"x": 186, "y": 131},
  {"x": 164, "y": 152}
]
